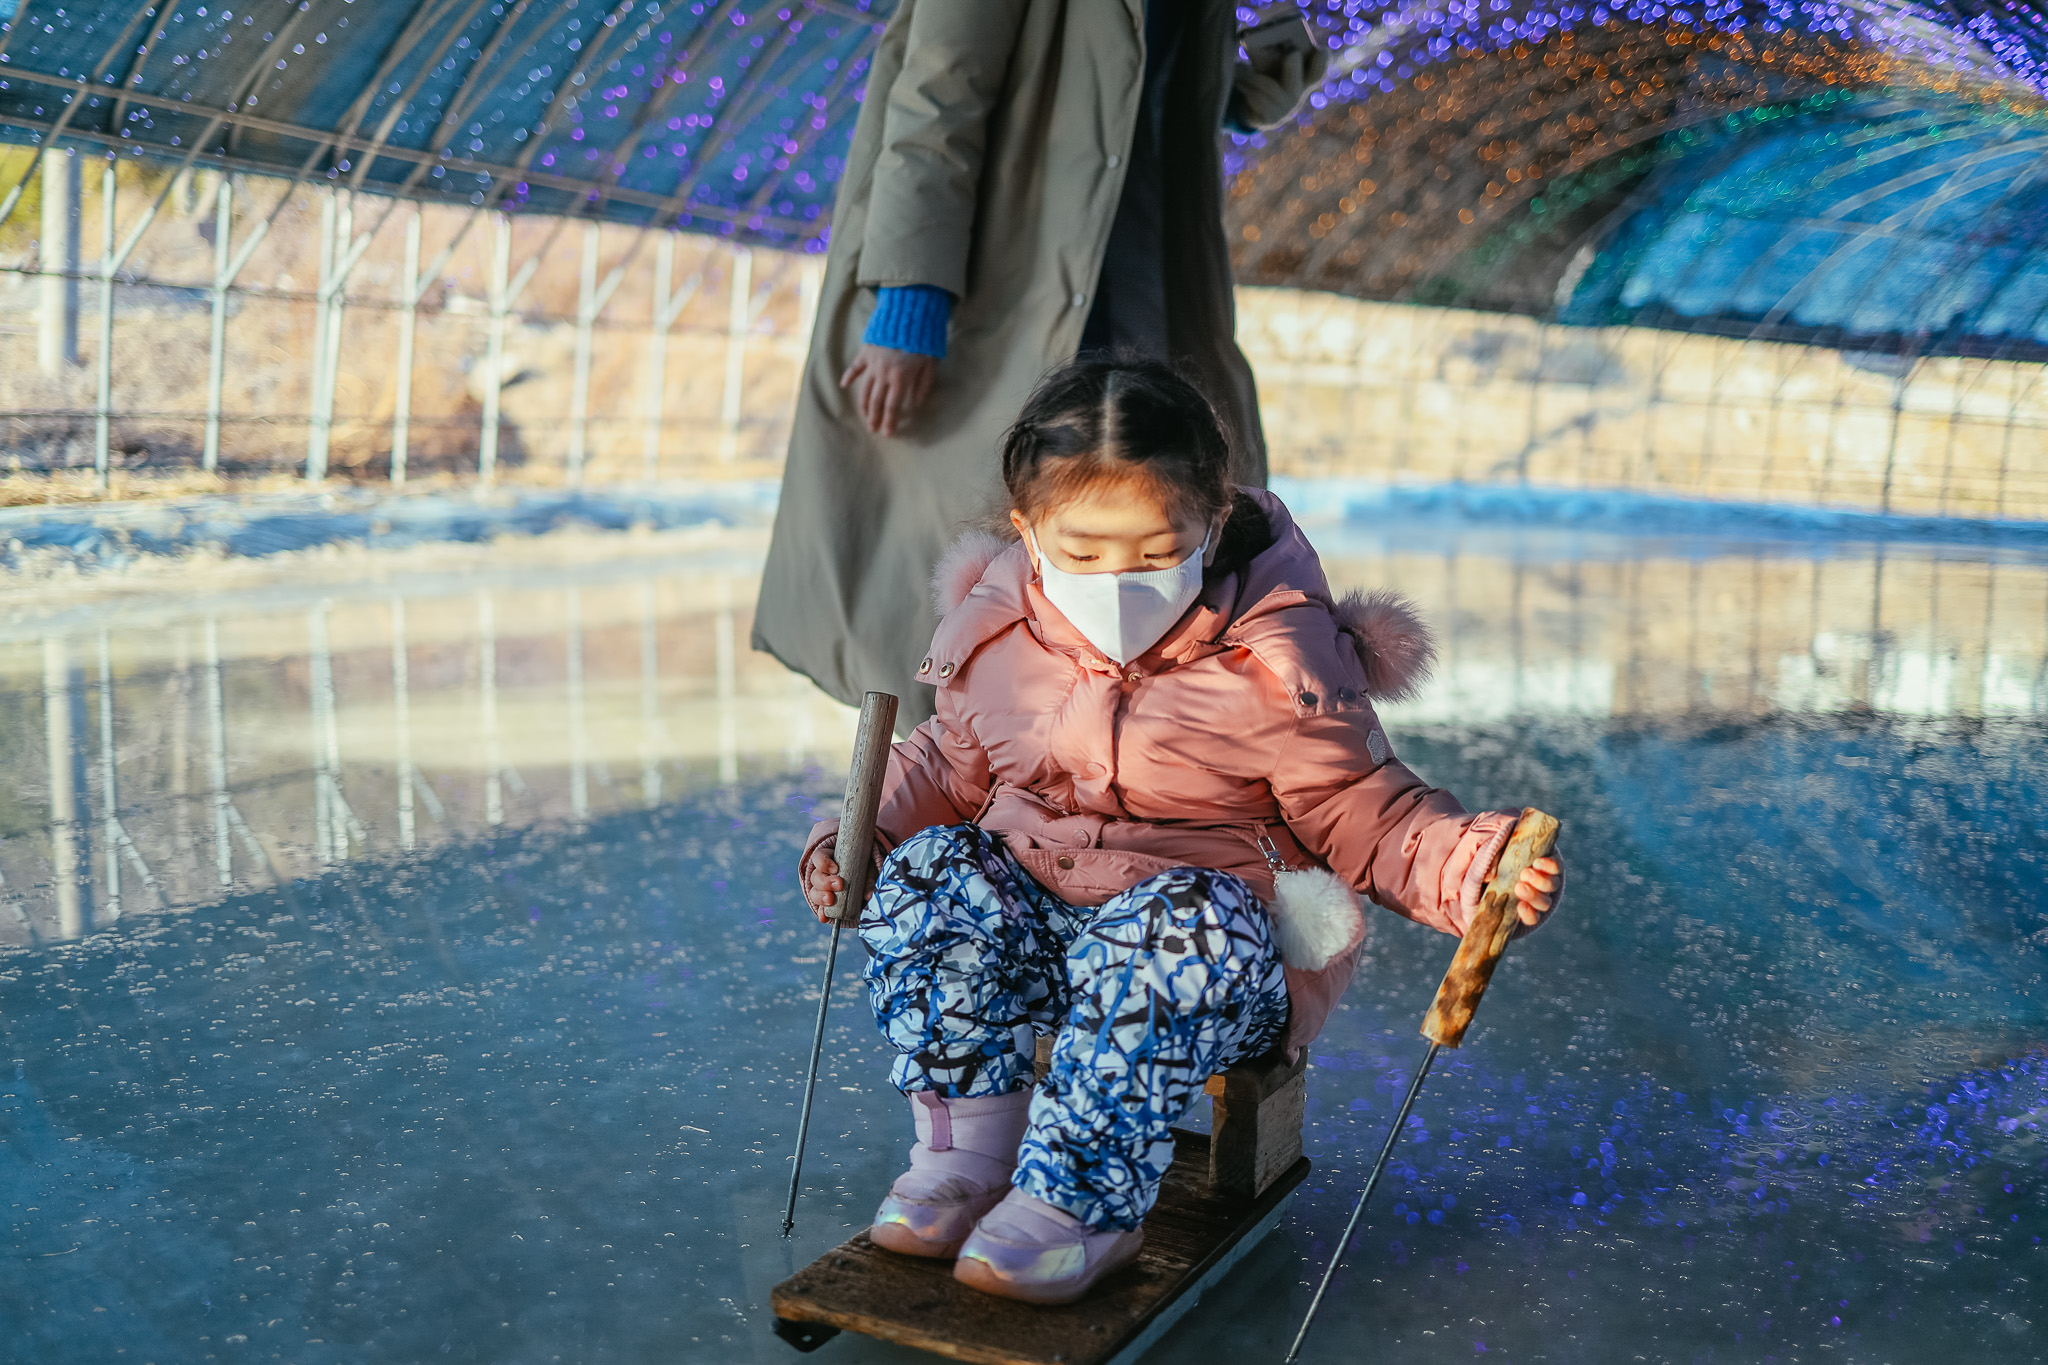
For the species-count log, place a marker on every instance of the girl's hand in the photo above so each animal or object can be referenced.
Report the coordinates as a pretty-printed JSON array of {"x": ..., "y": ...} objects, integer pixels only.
[
  {"x": 823, "y": 885},
  {"x": 889, "y": 385},
  {"x": 1535, "y": 893}
]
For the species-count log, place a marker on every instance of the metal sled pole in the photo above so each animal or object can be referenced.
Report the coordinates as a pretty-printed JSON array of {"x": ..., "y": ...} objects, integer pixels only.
[
  {"x": 1450, "y": 1014},
  {"x": 854, "y": 852}
]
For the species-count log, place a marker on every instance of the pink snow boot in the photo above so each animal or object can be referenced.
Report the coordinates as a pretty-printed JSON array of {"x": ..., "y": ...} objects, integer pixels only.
[
  {"x": 1026, "y": 1249},
  {"x": 959, "y": 1170}
]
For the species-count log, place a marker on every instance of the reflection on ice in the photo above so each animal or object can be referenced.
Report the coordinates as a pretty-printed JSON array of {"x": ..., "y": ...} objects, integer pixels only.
[
  {"x": 300, "y": 737},
  {"x": 1743, "y": 634},
  {"x": 255, "y": 743}
]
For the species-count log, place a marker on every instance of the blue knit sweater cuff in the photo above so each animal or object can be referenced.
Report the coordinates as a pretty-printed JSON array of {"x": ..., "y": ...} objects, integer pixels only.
[{"x": 911, "y": 317}]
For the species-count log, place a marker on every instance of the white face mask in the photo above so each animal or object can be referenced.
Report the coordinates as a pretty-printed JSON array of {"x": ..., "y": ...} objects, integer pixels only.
[{"x": 1122, "y": 614}]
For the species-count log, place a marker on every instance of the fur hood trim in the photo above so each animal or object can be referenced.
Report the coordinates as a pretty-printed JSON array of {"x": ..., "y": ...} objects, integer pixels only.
[
  {"x": 961, "y": 567},
  {"x": 1397, "y": 648}
]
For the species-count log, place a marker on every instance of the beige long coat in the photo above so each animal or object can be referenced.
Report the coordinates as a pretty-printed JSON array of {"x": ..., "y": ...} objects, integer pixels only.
[{"x": 987, "y": 160}]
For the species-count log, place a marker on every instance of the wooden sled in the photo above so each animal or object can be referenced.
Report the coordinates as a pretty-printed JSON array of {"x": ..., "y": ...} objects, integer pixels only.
[{"x": 1225, "y": 1191}]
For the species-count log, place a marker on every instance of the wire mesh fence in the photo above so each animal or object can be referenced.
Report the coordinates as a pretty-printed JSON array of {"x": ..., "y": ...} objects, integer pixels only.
[
  {"x": 1451, "y": 395},
  {"x": 234, "y": 331}
]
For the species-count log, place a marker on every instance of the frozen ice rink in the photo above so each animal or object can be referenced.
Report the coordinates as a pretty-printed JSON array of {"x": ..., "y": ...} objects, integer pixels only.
[{"x": 405, "y": 963}]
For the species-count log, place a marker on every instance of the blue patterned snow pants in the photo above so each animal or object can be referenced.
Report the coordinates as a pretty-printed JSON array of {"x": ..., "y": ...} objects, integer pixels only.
[{"x": 1148, "y": 995}]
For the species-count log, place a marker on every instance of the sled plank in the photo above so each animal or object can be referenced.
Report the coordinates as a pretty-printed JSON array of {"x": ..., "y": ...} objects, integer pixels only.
[{"x": 1192, "y": 1236}]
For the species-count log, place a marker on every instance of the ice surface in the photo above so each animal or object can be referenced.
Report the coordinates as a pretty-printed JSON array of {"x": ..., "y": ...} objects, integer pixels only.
[{"x": 489, "y": 1048}]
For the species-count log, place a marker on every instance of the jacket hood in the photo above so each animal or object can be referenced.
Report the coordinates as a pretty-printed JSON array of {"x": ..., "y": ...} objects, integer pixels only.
[{"x": 978, "y": 590}]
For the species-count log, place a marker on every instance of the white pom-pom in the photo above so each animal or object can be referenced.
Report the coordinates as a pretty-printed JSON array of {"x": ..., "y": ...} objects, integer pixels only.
[{"x": 1316, "y": 918}]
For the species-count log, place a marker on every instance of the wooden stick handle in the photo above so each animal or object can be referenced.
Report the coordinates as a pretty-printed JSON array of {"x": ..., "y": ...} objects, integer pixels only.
[
  {"x": 854, "y": 849},
  {"x": 1486, "y": 937}
]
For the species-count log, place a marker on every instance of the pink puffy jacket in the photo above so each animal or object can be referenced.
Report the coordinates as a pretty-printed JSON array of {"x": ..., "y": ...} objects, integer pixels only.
[{"x": 1250, "y": 720}]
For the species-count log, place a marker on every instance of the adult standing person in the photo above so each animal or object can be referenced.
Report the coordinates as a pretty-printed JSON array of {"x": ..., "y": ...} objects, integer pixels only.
[{"x": 1027, "y": 178}]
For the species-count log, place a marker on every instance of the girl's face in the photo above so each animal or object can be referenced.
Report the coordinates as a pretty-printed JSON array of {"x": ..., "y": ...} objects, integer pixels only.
[{"x": 1116, "y": 528}]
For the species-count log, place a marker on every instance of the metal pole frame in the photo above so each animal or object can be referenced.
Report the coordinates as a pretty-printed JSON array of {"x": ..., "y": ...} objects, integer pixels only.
[
  {"x": 667, "y": 308},
  {"x": 118, "y": 842},
  {"x": 8, "y": 30},
  {"x": 228, "y": 263},
  {"x": 503, "y": 178},
  {"x": 110, "y": 798},
  {"x": 216, "y": 350},
  {"x": 337, "y": 227},
  {"x": 111, "y": 260},
  {"x": 665, "y": 208},
  {"x": 726, "y": 662},
  {"x": 651, "y": 730},
  {"x": 318, "y": 688},
  {"x": 487, "y": 671},
  {"x": 166, "y": 12},
  {"x": 103, "y": 363},
  {"x": 408, "y": 326},
  {"x": 579, "y": 735},
  {"x": 739, "y": 321},
  {"x": 403, "y": 46},
  {"x": 337, "y": 304},
  {"x": 494, "y": 352},
  {"x": 58, "y": 288},
  {"x": 334, "y": 823},
  {"x": 67, "y": 832},
  {"x": 83, "y": 87},
  {"x": 579, "y": 389},
  {"x": 316, "y": 444},
  {"x": 80, "y": 85},
  {"x": 401, "y": 709},
  {"x": 593, "y": 296},
  {"x": 217, "y": 766},
  {"x": 657, "y": 356}
]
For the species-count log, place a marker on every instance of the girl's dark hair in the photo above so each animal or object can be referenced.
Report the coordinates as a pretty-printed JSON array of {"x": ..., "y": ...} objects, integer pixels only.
[{"x": 1118, "y": 417}]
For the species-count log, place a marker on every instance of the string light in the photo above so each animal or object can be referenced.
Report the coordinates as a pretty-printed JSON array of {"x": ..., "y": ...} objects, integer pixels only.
[{"x": 1466, "y": 152}]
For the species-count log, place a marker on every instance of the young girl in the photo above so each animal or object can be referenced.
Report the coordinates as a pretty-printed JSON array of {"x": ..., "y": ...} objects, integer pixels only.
[{"x": 1149, "y": 707}]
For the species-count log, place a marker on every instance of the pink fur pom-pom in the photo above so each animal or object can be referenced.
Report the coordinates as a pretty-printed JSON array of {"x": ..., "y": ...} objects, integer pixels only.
[
  {"x": 1396, "y": 647},
  {"x": 961, "y": 567}
]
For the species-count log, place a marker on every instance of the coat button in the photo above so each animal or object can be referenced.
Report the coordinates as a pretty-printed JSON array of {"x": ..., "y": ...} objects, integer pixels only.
[
  {"x": 945, "y": 670},
  {"x": 925, "y": 667},
  {"x": 1309, "y": 699},
  {"x": 1080, "y": 299},
  {"x": 1115, "y": 161},
  {"x": 1346, "y": 694},
  {"x": 1066, "y": 864}
]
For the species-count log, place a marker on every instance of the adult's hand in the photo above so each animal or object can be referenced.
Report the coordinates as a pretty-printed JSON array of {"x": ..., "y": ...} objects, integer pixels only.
[{"x": 889, "y": 385}]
